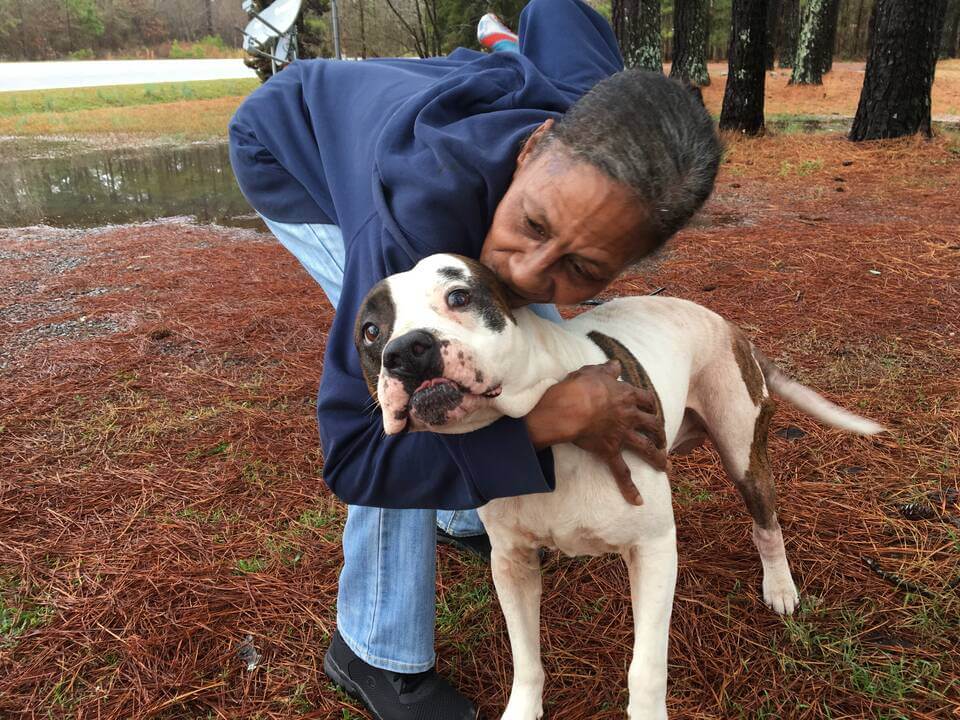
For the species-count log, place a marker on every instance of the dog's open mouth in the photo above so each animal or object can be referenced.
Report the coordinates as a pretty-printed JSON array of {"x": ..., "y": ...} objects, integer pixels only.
[{"x": 435, "y": 401}]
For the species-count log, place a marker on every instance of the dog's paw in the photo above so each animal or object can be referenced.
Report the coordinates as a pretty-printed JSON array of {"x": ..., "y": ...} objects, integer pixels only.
[{"x": 780, "y": 595}]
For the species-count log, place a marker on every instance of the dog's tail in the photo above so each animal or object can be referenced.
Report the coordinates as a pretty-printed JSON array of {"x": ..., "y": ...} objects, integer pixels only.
[{"x": 811, "y": 402}]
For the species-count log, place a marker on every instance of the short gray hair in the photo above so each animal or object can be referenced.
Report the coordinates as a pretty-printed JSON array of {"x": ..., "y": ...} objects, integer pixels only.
[{"x": 650, "y": 133}]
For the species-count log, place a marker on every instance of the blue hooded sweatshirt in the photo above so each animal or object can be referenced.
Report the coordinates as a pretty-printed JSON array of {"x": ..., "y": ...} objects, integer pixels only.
[{"x": 410, "y": 158}]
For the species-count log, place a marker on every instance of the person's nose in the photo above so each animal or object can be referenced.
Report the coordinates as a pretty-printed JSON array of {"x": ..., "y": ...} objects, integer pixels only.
[{"x": 530, "y": 272}]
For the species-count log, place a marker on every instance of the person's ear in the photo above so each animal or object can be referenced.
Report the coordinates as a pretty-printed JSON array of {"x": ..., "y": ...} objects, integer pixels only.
[{"x": 528, "y": 147}]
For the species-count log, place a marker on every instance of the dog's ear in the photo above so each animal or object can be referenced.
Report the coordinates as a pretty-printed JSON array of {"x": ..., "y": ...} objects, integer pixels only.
[{"x": 372, "y": 331}]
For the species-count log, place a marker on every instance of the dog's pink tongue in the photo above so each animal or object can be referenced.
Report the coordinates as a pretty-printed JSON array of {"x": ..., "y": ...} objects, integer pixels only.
[{"x": 431, "y": 382}]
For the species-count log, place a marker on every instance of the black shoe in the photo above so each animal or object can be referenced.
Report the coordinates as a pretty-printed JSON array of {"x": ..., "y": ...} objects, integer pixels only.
[
  {"x": 394, "y": 696},
  {"x": 478, "y": 545}
]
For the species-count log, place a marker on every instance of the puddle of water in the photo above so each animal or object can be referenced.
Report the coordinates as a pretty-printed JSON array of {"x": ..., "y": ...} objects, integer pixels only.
[{"x": 95, "y": 188}]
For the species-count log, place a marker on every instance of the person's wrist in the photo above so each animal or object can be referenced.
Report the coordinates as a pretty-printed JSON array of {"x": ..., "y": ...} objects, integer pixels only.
[{"x": 556, "y": 418}]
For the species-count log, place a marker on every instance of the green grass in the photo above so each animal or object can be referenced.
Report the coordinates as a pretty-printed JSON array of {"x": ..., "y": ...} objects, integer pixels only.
[
  {"x": 245, "y": 566},
  {"x": 13, "y": 104},
  {"x": 803, "y": 168},
  {"x": 18, "y": 618},
  {"x": 809, "y": 645}
]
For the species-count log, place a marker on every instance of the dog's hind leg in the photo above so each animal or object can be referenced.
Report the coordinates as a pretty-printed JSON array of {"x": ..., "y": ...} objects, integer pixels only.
[
  {"x": 516, "y": 575},
  {"x": 653, "y": 574},
  {"x": 736, "y": 411}
]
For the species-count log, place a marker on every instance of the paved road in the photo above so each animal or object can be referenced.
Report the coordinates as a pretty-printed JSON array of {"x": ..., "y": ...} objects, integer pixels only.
[{"x": 90, "y": 73}]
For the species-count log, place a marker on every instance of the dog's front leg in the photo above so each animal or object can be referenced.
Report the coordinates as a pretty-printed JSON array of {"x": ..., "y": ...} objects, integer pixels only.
[
  {"x": 516, "y": 575},
  {"x": 653, "y": 576}
]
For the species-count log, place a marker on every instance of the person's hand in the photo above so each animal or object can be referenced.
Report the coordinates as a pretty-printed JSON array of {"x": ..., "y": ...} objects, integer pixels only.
[{"x": 604, "y": 416}]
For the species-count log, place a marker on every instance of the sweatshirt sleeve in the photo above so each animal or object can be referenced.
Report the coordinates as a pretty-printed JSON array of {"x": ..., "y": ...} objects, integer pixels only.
[{"x": 362, "y": 466}]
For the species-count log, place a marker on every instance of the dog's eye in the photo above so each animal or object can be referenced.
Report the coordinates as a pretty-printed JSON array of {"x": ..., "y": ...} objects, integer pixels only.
[
  {"x": 458, "y": 299},
  {"x": 370, "y": 333}
]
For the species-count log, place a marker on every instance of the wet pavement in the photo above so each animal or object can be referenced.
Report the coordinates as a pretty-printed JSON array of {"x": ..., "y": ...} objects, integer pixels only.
[{"x": 93, "y": 73}]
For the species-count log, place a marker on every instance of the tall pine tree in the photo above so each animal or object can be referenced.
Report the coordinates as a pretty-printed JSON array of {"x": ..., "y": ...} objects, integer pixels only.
[
  {"x": 636, "y": 23},
  {"x": 789, "y": 32},
  {"x": 895, "y": 99},
  {"x": 690, "y": 35},
  {"x": 743, "y": 98},
  {"x": 808, "y": 64}
]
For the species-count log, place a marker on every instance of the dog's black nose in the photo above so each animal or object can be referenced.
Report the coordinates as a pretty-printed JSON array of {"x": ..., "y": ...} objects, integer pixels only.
[{"x": 414, "y": 356}]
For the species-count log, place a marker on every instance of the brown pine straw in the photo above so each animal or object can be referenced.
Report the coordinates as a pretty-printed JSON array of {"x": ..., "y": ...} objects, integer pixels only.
[{"x": 160, "y": 495}]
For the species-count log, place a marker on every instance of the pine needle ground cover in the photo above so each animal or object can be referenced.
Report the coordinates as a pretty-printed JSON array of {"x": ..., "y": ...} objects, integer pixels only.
[{"x": 168, "y": 549}]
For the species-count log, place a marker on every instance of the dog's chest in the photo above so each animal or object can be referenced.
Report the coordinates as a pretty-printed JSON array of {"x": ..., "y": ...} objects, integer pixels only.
[{"x": 585, "y": 514}]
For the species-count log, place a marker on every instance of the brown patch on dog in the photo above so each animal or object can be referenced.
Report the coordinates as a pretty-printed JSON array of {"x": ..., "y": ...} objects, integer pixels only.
[
  {"x": 757, "y": 488},
  {"x": 377, "y": 308},
  {"x": 749, "y": 370},
  {"x": 630, "y": 368},
  {"x": 632, "y": 372}
]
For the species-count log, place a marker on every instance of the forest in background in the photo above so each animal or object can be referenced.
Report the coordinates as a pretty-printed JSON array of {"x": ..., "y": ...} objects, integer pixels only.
[{"x": 59, "y": 29}]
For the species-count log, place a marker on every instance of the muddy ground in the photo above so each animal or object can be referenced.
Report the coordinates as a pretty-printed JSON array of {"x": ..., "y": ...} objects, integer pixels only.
[{"x": 164, "y": 520}]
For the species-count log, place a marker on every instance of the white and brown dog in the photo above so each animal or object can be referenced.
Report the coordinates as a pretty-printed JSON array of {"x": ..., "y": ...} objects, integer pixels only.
[{"x": 442, "y": 351}]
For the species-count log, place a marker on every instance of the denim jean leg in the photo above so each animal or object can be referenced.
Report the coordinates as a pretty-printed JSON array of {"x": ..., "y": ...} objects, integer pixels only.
[
  {"x": 460, "y": 523},
  {"x": 387, "y": 595}
]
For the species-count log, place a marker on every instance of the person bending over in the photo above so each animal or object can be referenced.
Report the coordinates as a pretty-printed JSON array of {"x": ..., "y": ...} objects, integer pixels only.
[{"x": 555, "y": 168}]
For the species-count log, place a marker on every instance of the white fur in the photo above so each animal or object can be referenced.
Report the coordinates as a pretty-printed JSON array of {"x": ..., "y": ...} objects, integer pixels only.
[{"x": 686, "y": 351}]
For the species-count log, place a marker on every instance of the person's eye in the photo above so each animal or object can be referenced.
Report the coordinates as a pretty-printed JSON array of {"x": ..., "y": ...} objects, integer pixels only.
[
  {"x": 580, "y": 271},
  {"x": 457, "y": 299},
  {"x": 370, "y": 333},
  {"x": 535, "y": 226}
]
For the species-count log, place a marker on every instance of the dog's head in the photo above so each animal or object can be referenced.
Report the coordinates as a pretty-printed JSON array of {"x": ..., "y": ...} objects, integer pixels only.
[{"x": 434, "y": 345}]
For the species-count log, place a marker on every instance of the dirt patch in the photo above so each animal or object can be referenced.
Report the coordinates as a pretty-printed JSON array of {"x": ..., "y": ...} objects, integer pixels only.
[{"x": 165, "y": 525}]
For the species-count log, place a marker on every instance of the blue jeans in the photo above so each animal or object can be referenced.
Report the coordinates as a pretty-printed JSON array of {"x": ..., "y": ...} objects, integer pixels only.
[{"x": 387, "y": 596}]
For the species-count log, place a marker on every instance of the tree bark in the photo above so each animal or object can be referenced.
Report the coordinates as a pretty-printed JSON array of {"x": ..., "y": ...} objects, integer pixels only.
[
  {"x": 789, "y": 31},
  {"x": 636, "y": 23},
  {"x": 773, "y": 29},
  {"x": 951, "y": 30},
  {"x": 690, "y": 42},
  {"x": 808, "y": 65},
  {"x": 830, "y": 39},
  {"x": 859, "y": 48},
  {"x": 209, "y": 18},
  {"x": 363, "y": 32},
  {"x": 746, "y": 76},
  {"x": 904, "y": 40}
]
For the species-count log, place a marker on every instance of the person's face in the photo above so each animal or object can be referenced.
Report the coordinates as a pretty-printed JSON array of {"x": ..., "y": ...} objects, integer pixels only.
[{"x": 563, "y": 231}]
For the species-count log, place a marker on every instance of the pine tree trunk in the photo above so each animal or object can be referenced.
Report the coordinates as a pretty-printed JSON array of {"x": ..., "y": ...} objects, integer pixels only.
[
  {"x": 690, "y": 42},
  {"x": 209, "y": 18},
  {"x": 789, "y": 32},
  {"x": 859, "y": 47},
  {"x": 636, "y": 23},
  {"x": 808, "y": 66},
  {"x": 363, "y": 31},
  {"x": 951, "y": 30},
  {"x": 895, "y": 100},
  {"x": 830, "y": 39},
  {"x": 773, "y": 29},
  {"x": 743, "y": 98}
]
